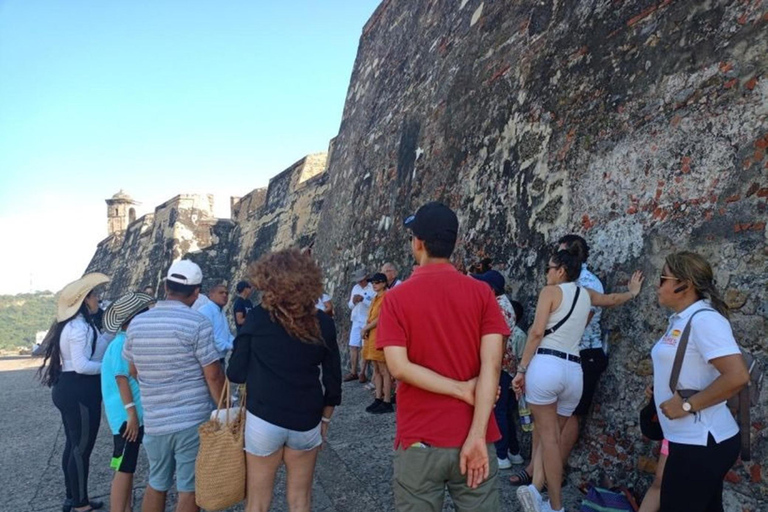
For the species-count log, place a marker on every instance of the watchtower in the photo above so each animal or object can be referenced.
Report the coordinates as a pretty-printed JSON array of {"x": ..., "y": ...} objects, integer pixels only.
[{"x": 120, "y": 212}]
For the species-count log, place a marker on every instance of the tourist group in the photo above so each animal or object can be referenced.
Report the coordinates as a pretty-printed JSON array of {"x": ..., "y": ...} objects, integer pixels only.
[{"x": 448, "y": 353}]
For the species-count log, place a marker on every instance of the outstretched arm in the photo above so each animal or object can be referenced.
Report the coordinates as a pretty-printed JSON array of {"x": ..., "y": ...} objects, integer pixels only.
[
  {"x": 617, "y": 299},
  {"x": 404, "y": 370}
]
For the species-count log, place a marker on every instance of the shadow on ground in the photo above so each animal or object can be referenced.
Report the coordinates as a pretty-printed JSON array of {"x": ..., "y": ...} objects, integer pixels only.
[{"x": 354, "y": 471}]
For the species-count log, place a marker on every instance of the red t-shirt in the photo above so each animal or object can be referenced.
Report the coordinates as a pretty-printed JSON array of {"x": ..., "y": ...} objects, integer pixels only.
[{"x": 439, "y": 315}]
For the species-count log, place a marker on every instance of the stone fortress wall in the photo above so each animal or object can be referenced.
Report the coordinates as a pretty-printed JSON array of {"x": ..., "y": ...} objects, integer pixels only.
[
  {"x": 278, "y": 216},
  {"x": 640, "y": 124}
]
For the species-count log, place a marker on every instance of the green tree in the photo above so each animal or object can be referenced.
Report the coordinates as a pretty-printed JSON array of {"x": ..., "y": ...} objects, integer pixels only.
[{"x": 23, "y": 315}]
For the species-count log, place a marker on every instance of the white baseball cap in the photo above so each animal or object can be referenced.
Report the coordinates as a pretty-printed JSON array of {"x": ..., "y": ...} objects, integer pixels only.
[{"x": 185, "y": 272}]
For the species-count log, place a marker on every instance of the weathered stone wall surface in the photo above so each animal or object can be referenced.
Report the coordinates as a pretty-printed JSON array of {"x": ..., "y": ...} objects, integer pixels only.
[
  {"x": 640, "y": 124},
  {"x": 287, "y": 213}
]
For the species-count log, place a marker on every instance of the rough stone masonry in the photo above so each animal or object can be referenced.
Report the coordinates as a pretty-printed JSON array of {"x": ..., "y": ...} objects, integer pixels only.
[{"x": 640, "y": 124}]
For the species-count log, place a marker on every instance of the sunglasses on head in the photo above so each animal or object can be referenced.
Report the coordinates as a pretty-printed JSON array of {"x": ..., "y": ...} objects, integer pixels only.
[{"x": 662, "y": 278}]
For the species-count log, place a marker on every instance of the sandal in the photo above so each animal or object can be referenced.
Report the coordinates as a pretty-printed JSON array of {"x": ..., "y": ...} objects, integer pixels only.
[{"x": 522, "y": 476}]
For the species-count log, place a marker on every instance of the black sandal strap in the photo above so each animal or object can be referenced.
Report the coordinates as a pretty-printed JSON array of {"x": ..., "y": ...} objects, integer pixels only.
[{"x": 523, "y": 478}]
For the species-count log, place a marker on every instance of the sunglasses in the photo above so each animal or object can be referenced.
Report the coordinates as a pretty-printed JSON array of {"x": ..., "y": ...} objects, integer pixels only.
[
  {"x": 662, "y": 277},
  {"x": 549, "y": 267}
]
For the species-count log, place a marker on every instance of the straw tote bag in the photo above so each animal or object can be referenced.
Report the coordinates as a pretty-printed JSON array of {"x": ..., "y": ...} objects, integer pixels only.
[{"x": 220, "y": 464}]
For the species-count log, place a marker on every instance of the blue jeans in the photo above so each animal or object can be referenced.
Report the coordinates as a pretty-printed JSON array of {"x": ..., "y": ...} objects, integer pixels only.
[{"x": 505, "y": 411}]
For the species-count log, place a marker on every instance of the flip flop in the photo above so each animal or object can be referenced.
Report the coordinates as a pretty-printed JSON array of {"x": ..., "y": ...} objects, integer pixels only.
[{"x": 523, "y": 478}]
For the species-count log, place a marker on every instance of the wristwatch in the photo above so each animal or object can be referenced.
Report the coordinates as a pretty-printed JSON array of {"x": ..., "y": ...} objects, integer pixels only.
[{"x": 687, "y": 406}]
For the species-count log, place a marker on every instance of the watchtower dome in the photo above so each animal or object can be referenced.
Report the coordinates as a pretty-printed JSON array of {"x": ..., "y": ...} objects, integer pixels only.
[{"x": 120, "y": 212}]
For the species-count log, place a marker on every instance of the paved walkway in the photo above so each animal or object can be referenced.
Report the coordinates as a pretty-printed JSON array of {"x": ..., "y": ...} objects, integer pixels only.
[{"x": 354, "y": 472}]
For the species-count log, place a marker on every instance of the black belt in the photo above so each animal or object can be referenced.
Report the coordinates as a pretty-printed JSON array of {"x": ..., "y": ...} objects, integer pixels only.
[{"x": 557, "y": 353}]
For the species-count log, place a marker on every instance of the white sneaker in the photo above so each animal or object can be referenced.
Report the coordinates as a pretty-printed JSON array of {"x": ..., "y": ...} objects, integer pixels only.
[
  {"x": 530, "y": 498},
  {"x": 504, "y": 463},
  {"x": 547, "y": 507},
  {"x": 516, "y": 459}
]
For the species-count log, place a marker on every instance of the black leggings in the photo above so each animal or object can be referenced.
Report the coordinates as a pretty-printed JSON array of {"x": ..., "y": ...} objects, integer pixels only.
[
  {"x": 78, "y": 399},
  {"x": 693, "y": 475}
]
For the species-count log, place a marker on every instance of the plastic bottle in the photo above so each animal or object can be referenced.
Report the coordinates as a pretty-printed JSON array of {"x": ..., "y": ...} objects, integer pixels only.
[{"x": 526, "y": 420}]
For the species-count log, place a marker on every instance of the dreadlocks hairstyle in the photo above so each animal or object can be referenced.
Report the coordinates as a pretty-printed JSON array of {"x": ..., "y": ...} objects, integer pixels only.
[
  {"x": 689, "y": 266},
  {"x": 290, "y": 283}
]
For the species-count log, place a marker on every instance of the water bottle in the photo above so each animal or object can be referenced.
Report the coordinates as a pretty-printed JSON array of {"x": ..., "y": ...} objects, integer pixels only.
[{"x": 526, "y": 420}]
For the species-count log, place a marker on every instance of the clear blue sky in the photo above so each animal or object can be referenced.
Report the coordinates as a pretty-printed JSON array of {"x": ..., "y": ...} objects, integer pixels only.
[{"x": 155, "y": 97}]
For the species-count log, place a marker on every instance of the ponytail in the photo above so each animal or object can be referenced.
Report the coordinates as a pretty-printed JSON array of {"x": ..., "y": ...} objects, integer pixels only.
[{"x": 689, "y": 266}]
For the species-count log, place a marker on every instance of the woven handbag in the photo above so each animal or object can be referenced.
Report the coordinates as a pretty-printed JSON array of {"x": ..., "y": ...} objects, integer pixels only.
[{"x": 220, "y": 465}]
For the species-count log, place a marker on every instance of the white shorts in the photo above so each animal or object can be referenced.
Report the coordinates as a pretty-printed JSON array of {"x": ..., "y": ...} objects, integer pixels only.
[
  {"x": 263, "y": 438},
  {"x": 550, "y": 379},
  {"x": 356, "y": 335}
]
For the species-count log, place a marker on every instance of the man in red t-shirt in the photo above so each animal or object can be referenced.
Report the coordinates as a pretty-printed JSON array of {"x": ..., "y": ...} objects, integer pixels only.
[{"x": 442, "y": 334}]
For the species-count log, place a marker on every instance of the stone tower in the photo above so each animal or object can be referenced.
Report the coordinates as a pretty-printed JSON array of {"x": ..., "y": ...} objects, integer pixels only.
[{"x": 120, "y": 212}]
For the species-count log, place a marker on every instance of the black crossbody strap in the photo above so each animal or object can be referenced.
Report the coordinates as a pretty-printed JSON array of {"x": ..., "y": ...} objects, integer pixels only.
[
  {"x": 566, "y": 317},
  {"x": 680, "y": 354}
]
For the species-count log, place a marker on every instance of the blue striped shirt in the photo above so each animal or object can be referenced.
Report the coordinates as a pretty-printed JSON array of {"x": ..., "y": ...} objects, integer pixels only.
[{"x": 169, "y": 345}]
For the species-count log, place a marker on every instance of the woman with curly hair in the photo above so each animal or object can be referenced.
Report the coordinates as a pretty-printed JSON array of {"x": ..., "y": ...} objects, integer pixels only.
[{"x": 278, "y": 353}]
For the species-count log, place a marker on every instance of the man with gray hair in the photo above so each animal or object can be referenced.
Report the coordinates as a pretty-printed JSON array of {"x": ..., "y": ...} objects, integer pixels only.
[
  {"x": 390, "y": 270},
  {"x": 213, "y": 310}
]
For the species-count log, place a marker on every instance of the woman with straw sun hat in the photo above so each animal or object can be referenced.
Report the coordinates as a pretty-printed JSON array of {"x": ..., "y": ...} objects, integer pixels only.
[
  {"x": 122, "y": 402},
  {"x": 71, "y": 367}
]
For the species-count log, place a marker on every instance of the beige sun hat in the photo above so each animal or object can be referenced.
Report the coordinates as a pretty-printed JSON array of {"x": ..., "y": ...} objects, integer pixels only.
[{"x": 72, "y": 296}]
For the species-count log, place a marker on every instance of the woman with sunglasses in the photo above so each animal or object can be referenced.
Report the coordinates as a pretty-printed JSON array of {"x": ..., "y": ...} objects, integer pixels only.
[
  {"x": 702, "y": 434},
  {"x": 549, "y": 371}
]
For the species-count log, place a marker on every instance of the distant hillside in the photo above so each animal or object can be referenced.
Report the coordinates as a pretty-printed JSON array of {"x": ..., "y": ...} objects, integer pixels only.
[{"x": 22, "y": 315}]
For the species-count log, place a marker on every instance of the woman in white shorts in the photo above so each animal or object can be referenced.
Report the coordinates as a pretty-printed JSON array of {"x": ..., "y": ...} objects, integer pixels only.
[
  {"x": 549, "y": 371},
  {"x": 279, "y": 354}
]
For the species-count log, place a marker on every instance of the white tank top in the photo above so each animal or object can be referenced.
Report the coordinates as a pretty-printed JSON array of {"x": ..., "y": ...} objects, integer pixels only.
[{"x": 568, "y": 336}]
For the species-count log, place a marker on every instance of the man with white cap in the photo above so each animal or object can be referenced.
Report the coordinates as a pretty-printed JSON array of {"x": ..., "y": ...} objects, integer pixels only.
[
  {"x": 359, "y": 301},
  {"x": 171, "y": 351}
]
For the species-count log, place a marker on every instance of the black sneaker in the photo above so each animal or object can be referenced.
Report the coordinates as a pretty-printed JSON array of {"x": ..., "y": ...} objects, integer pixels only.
[
  {"x": 374, "y": 405},
  {"x": 383, "y": 408}
]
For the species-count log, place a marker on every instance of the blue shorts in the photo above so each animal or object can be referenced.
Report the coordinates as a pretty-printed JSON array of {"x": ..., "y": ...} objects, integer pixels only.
[{"x": 173, "y": 453}]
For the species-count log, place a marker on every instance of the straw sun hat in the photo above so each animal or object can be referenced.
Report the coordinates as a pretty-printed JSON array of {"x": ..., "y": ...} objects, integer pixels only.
[
  {"x": 73, "y": 295},
  {"x": 124, "y": 308}
]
